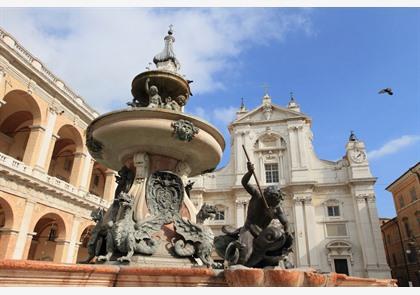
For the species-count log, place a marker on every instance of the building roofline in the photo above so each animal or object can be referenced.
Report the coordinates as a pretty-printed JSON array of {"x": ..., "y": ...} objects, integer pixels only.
[{"x": 404, "y": 174}]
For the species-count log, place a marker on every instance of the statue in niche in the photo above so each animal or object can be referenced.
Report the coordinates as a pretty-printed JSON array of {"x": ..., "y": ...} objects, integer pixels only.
[
  {"x": 260, "y": 242},
  {"x": 155, "y": 100}
]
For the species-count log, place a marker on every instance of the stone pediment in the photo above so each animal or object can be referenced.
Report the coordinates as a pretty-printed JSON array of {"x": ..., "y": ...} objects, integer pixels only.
[{"x": 277, "y": 113}]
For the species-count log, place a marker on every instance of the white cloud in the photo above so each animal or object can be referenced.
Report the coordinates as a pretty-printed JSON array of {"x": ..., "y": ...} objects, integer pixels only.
[
  {"x": 225, "y": 115},
  {"x": 220, "y": 117},
  {"x": 394, "y": 146},
  {"x": 98, "y": 51}
]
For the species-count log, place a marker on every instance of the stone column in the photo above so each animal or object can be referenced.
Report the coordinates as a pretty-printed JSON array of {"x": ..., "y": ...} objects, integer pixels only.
[
  {"x": 7, "y": 242},
  {"x": 61, "y": 250},
  {"x": 24, "y": 230},
  {"x": 76, "y": 171},
  {"x": 33, "y": 146},
  {"x": 50, "y": 152},
  {"x": 46, "y": 140},
  {"x": 76, "y": 252},
  {"x": 28, "y": 244},
  {"x": 73, "y": 240},
  {"x": 86, "y": 173},
  {"x": 109, "y": 189}
]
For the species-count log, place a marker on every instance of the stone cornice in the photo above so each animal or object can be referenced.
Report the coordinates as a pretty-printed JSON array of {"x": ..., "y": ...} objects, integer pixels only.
[
  {"x": 371, "y": 180},
  {"x": 28, "y": 63}
]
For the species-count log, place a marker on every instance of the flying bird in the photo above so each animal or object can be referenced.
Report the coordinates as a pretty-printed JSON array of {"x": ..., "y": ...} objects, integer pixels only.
[{"x": 386, "y": 90}]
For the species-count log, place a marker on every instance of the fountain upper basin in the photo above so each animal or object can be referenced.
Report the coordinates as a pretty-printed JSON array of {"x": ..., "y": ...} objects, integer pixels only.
[{"x": 126, "y": 132}]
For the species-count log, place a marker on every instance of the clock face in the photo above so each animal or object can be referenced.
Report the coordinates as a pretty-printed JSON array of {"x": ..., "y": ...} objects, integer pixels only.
[{"x": 358, "y": 156}]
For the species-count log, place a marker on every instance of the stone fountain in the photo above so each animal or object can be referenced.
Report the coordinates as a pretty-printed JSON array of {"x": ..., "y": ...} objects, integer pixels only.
[
  {"x": 152, "y": 235},
  {"x": 155, "y": 147}
]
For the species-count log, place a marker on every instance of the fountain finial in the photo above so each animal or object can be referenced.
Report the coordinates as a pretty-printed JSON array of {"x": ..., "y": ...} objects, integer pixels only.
[{"x": 166, "y": 60}]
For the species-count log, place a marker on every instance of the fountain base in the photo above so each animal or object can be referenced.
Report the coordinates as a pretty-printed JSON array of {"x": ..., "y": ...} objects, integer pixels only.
[{"x": 18, "y": 273}]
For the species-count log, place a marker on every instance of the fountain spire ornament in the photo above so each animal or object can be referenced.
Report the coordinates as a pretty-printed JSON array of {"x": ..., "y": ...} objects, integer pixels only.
[{"x": 166, "y": 60}]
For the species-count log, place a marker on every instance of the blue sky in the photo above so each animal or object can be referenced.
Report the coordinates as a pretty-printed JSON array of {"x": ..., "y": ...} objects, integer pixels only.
[{"x": 335, "y": 60}]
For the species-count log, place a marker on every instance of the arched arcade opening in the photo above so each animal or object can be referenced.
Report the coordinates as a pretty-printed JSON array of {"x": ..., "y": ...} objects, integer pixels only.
[{"x": 46, "y": 244}]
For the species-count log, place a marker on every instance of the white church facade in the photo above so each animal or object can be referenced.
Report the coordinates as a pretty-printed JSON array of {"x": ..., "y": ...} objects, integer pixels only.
[{"x": 330, "y": 205}]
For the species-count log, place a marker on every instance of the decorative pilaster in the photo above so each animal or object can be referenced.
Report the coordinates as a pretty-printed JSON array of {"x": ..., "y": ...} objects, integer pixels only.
[
  {"x": 240, "y": 212},
  {"x": 50, "y": 151},
  {"x": 364, "y": 230},
  {"x": 71, "y": 253},
  {"x": 305, "y": 234},
  {"x": 2, "y": 85},
  {"x": 86, "y": 173},
  {"x": 61, "y": 249},
  {"x": 33, "y": 146},
  {"x": 302, "y": 147},
  {"x": 8, "y": 242},
  {"x": 76, "y": 171},
  {"x": 43, "y": 152},
  {"x": 294, "y": 149},
  {"x": 310, "y": 232},
  {"x": 24, "y": 231}
]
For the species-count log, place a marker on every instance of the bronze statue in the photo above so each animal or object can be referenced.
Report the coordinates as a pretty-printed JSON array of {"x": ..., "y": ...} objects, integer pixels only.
[{"x": 258, "y": 243}]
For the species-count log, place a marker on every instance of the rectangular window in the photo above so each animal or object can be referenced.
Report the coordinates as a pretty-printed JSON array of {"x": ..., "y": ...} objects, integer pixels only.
[
  {"x": 333, "y": 211},
  {"x": 401, "y": 200},
  {"x": 271, "y": 173},
  {"x": 220, "y": 215},
  {"x": 413, "y": 194},
  {"x": 407, "y": 227},
  {"x": 336, "y": 230}
]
